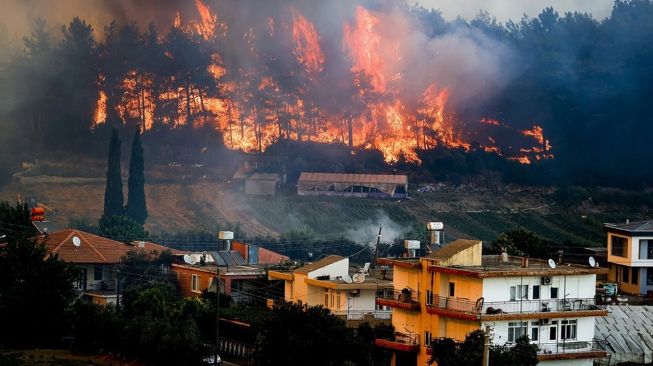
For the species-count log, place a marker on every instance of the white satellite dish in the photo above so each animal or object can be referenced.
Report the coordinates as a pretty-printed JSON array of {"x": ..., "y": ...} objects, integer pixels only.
[
  {"x": 359, "y": 278},
  {"x": 347, "y": 279},
  {"x": 592, "y": 262},
  {"x": 76, "y": 241},
  {"x": 552, "y": 263},
  {"x": 188, "y": 259}
]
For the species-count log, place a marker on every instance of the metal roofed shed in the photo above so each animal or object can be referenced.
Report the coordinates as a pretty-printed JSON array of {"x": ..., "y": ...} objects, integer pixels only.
[
  {"x": 628, "y": 334},
  {"x": 355, "y": 185},
  {"x": 262, "y": 184}
]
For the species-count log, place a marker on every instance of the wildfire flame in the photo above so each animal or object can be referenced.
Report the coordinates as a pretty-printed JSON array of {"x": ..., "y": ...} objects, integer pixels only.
[{"x": 258, "y": 111}]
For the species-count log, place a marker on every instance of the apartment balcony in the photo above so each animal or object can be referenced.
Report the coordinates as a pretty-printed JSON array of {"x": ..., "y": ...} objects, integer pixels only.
[
  {"x": 400, "y": 342},
  {"x": 570, "y": 350},
  {"x": 362, "y": 314},
  {"x": 405, "y": 299},
  {"x": 458, "y": 308}
]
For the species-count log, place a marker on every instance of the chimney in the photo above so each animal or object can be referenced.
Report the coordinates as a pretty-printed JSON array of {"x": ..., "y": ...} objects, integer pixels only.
[
  {"x": 504, "y": 255},
  {"x": 524, "y": 261},
  {"x": 436, "y": 232},
  {"x": 560, "y": 252}
]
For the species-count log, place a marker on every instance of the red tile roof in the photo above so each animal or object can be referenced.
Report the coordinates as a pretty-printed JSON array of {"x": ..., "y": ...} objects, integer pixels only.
[{"x": 92, "y": 248}]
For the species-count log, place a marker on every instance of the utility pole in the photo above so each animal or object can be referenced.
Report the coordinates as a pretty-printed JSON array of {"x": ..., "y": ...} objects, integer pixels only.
[
  {"x": 217, "y": 314},
  {"x": 376, "y": 250},
  {"x": 486, "y": 346}
]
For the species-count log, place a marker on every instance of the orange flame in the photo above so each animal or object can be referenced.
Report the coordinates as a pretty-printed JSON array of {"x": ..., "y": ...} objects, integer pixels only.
[{"x": 307, "y": 45}]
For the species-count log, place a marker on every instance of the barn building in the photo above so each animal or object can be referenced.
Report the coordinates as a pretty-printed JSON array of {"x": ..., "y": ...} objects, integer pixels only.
[{"x": 353, "y": 185}]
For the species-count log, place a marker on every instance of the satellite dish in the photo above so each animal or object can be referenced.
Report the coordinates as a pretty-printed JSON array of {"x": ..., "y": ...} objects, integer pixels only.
[
  {"x": 188, "y": 259},
  {"x": 76, "y": 241},
  {"x": 592, "y": 262},
  {"x": 347, "y": 279},
  {"x": 359, "y": 278},
  {"x": 552, "y": 263}
]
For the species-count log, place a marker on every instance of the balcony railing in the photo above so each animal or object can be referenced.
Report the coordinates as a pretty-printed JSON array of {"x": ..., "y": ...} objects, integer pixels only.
[
  {"x": 406, "y": 299},
  {"x": 480, "y": 307},
  {"x": 400, "y": 342},
  {"x": 360, "y": 314},
  {"x": 570, "y": 346},
  {"x": 405, "y": 295},
  {"x": 541, "y": 306}
]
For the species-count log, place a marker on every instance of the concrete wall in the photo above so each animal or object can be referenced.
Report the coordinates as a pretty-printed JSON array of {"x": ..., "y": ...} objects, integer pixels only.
[
  {"x": 584, "y": 330},
  {"x": 616, "y": 258},
  {"x": 576, "y": 286},
  {"x": 333, "y": 270}
]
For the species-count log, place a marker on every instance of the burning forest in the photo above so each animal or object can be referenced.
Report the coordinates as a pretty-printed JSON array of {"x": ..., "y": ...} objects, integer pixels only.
[
  {"x": 286, "y": 79},
  {"x": 371, "y": 77}
]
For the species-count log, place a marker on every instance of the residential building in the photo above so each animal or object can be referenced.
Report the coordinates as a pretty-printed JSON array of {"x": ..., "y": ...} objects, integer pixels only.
[
  {"x": 353, "y": 185},
  {"x": 242, "y": 272},
  {"x": 329, "y": 282},
  {"x": 456, "y": 290},
  {"x": 630, "y": 256},
  {"x": 96, "y": 257}
]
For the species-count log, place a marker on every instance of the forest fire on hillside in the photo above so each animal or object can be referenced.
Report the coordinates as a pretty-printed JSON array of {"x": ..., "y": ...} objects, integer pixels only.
[{"x": 276, "y": 96}]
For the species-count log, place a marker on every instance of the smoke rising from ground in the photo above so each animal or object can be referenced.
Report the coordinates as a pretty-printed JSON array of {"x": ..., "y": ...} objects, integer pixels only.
[{"x": 367, "y": 231}]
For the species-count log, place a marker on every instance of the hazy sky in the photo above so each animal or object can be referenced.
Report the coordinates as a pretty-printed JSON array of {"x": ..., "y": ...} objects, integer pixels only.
[{"x": 514, "y": 9}]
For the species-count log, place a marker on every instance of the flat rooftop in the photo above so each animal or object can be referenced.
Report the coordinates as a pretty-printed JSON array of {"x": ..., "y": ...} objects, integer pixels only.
[{"x": 494, "y": 266}]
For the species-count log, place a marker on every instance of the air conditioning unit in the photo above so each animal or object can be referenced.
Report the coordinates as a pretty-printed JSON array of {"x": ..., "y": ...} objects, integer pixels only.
[
  {"x": 355, "y": 293},
  {"x": 547, "y": 280}
]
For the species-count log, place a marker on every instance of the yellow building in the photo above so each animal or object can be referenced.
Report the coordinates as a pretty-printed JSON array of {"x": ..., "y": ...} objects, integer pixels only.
[
  {"x": 330, "y": 283},
  {"x": 456, "y": 290},
  {"x": 630, "y": 254}
]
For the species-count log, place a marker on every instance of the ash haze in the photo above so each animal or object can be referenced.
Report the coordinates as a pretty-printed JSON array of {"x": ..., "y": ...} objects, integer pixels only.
[{"x": 505, "y": 10}]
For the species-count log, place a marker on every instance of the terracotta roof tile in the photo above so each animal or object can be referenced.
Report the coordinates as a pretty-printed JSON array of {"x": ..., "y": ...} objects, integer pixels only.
[{"x": 92, "y": 248}]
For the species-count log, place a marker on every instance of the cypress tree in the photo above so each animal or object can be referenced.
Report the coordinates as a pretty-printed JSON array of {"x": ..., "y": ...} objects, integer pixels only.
[
  {"x": 136, "y": 206},
  {"x": 113, "y": 200}
]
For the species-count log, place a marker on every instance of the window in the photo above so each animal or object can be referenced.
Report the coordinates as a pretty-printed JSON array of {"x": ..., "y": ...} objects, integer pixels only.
[
  {"x": 427, "y": 339},
  {"x": 568, "y": 329},
  {"x": 516, "y": 330},
  {"x": 518, "y": 292},
  {"x": 635, "y": 276},
  {"x": 97, "y": 273},
  {"x": 553, "y": 330},
  {"x": 194, "y": 283},
  {"x": 625, "y": 271},
  {"x": 646, "y": 249},
  {"x": 535, "y": 331},
  {"x": 536, "y": 292},
  {"x": 649, "y": 276},
  {"x": 338, "y": 299},
  {"x": 452, "y": 289},
  {"x": 554, "y": 292},
  {"x": 429, "y": 297},
  {"x": 619, "y": 247},
  {"x": 326, "y": 297}
]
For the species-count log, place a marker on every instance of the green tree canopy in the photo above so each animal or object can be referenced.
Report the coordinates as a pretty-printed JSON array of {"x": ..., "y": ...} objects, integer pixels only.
[
  {"x": 122, "y": 228},
  {"x": 447, "y": 352},
  {"x": 521, "y": 243},
  {"x": 136, "y": 206}
]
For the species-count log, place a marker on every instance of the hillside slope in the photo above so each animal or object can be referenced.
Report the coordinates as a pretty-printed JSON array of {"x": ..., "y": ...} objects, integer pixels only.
[{"x": 467, "y": 212}]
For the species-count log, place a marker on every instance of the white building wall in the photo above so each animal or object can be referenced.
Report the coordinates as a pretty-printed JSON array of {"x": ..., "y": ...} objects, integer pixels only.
[
  {"x": 366, "y": 301},
  {"x": 497, "y": 289},
  {"x": 636, "y": 262},
  {"x": 333, "y": 270}
]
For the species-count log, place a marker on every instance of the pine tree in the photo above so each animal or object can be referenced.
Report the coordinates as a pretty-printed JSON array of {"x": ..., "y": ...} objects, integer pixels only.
[
  {"x": 113, "y": 200},
  {"x": 136, "y": 206}
]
